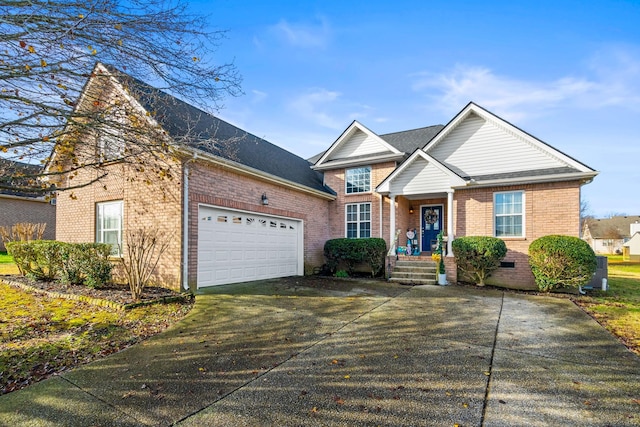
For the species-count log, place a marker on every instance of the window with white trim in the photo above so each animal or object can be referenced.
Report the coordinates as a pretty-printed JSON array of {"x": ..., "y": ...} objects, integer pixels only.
[
  {"x": 358, "y": 180},
  {"x": 508, "y": 211},
  {"x": 109, "y": 222},
  {"x": 111, "y": 137},
  {"x": 358, "y": 220}
]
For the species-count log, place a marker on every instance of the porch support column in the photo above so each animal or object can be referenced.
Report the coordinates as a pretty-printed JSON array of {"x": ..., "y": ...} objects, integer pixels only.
[
  {"x": 450, "y": 222},
  {"x": 392, "y": 220}
]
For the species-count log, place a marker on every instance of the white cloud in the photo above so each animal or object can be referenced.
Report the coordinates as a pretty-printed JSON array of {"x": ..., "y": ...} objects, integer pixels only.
[
  {"x": 327, "y": 109},
  {"x": 315, "y": 105},
  {"x": 258, "y": 96},
  {"x": 501, "y": 94},
  {"x": 304, "y": 35},
  {"x": 612, "y": 78}
]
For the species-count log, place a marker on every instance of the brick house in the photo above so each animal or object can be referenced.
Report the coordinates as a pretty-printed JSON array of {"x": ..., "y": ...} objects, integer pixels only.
[
  {"x": 477, "y": 176},
  {"x": 256, "y": 211},
  {"x": 25, "y": 207}
]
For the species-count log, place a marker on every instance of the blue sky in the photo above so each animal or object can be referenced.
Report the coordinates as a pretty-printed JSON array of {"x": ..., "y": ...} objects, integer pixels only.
[{"x": 567, "y": 72}]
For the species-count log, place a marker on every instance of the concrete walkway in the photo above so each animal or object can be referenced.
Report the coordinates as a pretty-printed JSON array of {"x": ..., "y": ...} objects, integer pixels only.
[{"x": 353, "y": 353}]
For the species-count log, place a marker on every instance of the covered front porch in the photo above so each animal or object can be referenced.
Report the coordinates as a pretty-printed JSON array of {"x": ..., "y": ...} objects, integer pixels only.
[
  {"x": 415, "y": 223},
  {"x": 421, "y": 194}
]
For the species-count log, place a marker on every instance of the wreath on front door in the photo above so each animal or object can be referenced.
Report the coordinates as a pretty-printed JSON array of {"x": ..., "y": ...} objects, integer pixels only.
[{"x": 431, "y": 216}]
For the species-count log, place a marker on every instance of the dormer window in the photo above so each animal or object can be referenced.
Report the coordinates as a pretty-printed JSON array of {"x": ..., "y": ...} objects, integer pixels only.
[{"x": 358, "y": 180}]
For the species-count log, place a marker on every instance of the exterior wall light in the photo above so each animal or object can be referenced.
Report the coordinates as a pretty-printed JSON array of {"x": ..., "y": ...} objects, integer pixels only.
[
  {"x": 265, "y": 200},
  {"x": 410, "y": 209}
]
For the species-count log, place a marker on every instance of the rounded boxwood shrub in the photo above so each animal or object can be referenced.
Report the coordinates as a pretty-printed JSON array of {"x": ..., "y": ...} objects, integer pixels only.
[
  {"x": 478, "y": 256},
  {"x": 559, "y": 261},
  {"x": 351, "y": 252}
]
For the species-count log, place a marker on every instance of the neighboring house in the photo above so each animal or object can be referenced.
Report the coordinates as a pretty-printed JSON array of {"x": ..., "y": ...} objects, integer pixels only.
[
  {"x": 258, "y": 211},
  {"x": 607, "y": 235},
  {"x": 631, "y": 248},
  {"x": 25, "y": 207}
]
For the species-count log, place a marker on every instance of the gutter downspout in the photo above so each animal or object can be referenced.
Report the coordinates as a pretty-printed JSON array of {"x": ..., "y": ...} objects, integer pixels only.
[{"x": 185, "y": 222}]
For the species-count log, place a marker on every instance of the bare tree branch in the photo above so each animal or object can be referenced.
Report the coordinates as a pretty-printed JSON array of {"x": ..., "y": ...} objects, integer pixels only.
[{"x": 48, "y": 50}]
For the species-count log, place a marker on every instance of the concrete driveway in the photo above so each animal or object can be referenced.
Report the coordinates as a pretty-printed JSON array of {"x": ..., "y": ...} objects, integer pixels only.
[{"x": 320, "y": 352}]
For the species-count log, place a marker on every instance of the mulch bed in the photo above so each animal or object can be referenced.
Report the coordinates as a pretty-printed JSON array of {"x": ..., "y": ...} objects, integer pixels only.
[{"x": 113, "y": 295}]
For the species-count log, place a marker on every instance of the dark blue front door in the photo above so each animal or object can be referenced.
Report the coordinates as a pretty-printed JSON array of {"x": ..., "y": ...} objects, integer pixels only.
[{"x": 431, "y": 226}]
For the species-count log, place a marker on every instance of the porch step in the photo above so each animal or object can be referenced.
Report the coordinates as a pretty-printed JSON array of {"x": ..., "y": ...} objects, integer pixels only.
[{"x": 414, "y": 271}]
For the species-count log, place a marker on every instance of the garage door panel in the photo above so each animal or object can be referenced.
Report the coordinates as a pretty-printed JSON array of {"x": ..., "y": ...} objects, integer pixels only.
[{"x": 237, "y": 246}]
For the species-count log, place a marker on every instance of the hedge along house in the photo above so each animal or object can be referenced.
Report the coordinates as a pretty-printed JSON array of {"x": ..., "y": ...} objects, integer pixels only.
[
  {"x": 238, "y": 208},
  {"x": 234, "y": 206},
  {"x": 478, "y": 175}
]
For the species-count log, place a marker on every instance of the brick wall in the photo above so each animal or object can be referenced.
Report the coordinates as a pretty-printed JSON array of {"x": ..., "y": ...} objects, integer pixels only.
[
  {"x": 550, "y": 208},
  {"x": 149, "y": 203},
  {"x": 218, "y": 186},
  {"x": 337, "y": 211},
  {"x": 14, "y": 210}
]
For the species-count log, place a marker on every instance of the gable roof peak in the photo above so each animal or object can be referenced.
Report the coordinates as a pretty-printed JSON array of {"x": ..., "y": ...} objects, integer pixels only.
[{"x": 194, "y": 129}]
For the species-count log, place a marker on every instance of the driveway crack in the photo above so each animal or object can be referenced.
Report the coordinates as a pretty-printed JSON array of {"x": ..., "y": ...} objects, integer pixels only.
[{"x": 490, "y": 372}]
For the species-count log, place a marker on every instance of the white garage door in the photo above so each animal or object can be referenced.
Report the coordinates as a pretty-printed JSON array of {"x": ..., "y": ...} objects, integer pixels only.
[{"x": 236, "y": 246}]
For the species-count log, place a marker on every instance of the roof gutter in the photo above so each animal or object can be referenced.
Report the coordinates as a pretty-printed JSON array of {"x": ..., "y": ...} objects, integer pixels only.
[
  {"x": 335, "y": 164},
  {"x": 586, "y": 177},
  {"x": 41, "y": 199}
]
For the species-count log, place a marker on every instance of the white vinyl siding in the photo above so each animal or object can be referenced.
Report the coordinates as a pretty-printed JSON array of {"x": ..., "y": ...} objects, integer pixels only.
[
  {"x": 358, "y": 220},
  {"x": 508, "y": 209},
  {"x": 478, "y": 147},
  {"x": 421, "y": 177},
  {"x": 109, "y": 220},
  {"x": 359, "y": 144},
  {"x": 358, "y": 180}
]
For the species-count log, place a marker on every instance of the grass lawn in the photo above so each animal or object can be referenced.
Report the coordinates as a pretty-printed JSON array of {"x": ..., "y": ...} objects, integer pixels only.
[
  {"x": 41, "y": 335},
  {"x": 6, "y": 264},
  {"x": 618, "y": 309}
]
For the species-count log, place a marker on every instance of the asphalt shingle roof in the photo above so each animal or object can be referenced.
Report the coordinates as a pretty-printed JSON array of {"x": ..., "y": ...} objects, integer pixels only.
[
  {"x": 409, "y": 140},
  {"x": 605, "y": 228},
  {"x": 524, "y": 174},
  {"x": 17, "y": 170},
  {"x": 195, "y": 128}
]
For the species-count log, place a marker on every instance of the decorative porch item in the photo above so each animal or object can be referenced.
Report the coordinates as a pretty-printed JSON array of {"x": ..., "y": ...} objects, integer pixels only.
[
  {"x": 442, "y": 275},
  {"x": 431, "y": 216}
]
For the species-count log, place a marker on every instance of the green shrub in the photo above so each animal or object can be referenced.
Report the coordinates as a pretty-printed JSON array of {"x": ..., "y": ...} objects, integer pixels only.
[
  {"x": 22, "y": 254},
  {"x": 351, "y": 252},
  {"x": 342, "y": 273},
  {"x": 74, "y": 263},
  {"x": 478, "y": 256},
  {"x": 37, "y": 259},
  {"x": 559, "y": 261},
  {"x": 86, "y": 263}
]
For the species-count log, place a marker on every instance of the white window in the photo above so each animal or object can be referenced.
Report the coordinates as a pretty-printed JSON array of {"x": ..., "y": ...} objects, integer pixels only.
[
  {"x": 508, "y": 209},
  {"x": 110, "y": 147},
  {"x": 358, "y": 220},
  {"x": 109, "y": 225},
  {"x": 111, "y": 137},
  {"x": 358, "y": 180}
]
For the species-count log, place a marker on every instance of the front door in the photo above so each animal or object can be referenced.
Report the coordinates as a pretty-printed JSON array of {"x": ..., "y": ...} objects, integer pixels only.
[{"x": 431, "y": 226}]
